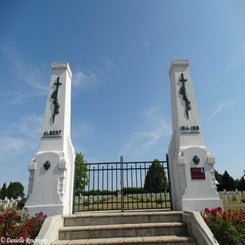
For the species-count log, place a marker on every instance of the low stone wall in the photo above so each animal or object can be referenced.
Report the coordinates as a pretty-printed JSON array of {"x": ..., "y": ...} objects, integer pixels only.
[{"x": 198, "y": 228}]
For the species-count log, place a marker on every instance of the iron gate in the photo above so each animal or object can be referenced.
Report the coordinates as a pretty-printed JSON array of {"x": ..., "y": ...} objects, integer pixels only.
[{"x": 120, "y": 186}]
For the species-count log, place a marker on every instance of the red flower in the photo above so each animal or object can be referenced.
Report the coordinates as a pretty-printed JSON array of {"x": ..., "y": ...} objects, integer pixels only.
[{"x": 24, "y": 235}]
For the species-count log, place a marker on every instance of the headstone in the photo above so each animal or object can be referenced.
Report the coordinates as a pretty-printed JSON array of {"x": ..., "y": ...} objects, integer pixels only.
[
  {"x": 5, "y": 203},
  {"x": 193, "y": 185},
  {"x": 51, "y": 170}
]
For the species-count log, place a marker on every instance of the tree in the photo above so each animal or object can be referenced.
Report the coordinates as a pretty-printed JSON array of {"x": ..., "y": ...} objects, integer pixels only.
[
  {"x": 228, "y": 182},
  {"x": 81, "y": 174},
  {"x": 219, "y": 177},
  {"x": 15, "y": 190},
  {"x": 3, "y": 192},
  {"x": 156, "y": 180},
  {"x": 241, "y": 184}
]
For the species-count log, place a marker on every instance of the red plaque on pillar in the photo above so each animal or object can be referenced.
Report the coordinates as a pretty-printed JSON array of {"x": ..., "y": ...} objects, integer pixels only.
[{"x": 197, "y": 173}]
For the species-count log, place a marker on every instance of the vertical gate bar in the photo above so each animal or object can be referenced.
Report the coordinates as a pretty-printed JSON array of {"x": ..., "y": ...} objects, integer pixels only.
[
  {"x": 97, "y": 196},
  {"x": 74, "y": 187},
  {"x": 112, "y": 185},
  {"x": 93, "y": 187},
  {"x": 132, "y": 184},
  {"x": 165, "y": 196},
  {"x": 122, "y": 183},
  {"x": 89, "y": 183},
  {"x": 161, "y": 200},
  {"x": 169, "y": 183},
  {"x": 102, "y": 187},
  {"x": 107, "y": 184},
  {"x": 126, "y": 183},
  {"x": 136, "y": 185},
  {"x": 117, "y": 184},
  {"x": 141, "y": 194},
  {"x": 146, "y": 197}
]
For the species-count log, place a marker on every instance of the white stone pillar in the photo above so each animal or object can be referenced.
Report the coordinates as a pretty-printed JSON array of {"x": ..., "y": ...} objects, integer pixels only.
[
  {"x": 191, "y": 170},
  {"x": 51, "y": 170}
]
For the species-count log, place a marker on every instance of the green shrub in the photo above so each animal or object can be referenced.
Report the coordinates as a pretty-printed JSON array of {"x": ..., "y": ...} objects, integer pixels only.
[
  {"x": 160, "y": 200},
  {"x": 228, "y": 227},
  {"x": 86, "y": 202},
  {"x": 12, "y": 226}
]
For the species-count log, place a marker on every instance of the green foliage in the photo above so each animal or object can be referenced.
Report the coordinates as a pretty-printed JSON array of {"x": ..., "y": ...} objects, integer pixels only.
[
  {"x": 156, "y": 180},
  {"x": 243, "y": 199},
  {"x": 14, "y": 190},
  {"x": 241, "y": 184},
  {"x": 99, "y": 193},
  {"x": 3, "y": 192},
  {"x": 81, "y": 174},
  {"x": 219, "y": 178},
  {"x": 228, "y": 182},
  {"x": 228, "y": 227},
  {"x": 160, "y": 200},
  {"x": 12, "y": 226},
  {"x": 21, "y": 204},
  {"x": 132, "y": 190}
]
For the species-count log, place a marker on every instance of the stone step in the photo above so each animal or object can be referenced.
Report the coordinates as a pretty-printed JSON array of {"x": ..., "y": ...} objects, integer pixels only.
[
  {"x": 123, "y": 230},
  {"x": 144, "y": 240},
  {"x": 85, "y": 219}
]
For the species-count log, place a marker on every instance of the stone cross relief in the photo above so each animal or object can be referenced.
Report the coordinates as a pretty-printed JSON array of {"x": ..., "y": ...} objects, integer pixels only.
[
  {"x": 54, "y": 96},
  {"x": 182, "y": 91}
]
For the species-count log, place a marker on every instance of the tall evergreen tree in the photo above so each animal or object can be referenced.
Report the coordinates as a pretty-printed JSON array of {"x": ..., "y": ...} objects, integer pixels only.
[
  {"x": 218, "y": 177},
  {"x": 228, "y": 182},
  {"x": 241, "y": 184},
  {"x": 156, "y": 180},
  {"x": 3, "y": 192},
  {"x": 15, "y": 190}
]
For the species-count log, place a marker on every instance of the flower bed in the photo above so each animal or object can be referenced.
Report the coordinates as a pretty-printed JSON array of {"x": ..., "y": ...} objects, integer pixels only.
[
  {"x": 15, "y": 229},
  {"x": 227, "y": 226}
]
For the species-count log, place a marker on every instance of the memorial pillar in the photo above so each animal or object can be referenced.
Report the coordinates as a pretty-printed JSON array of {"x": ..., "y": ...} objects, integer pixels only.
[
  {"x": 51, "y": 170},
  {"x": 191, "y": 165}
]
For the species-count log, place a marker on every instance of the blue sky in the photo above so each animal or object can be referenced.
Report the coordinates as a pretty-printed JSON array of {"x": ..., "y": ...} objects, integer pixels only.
[{"x": 120, "y": 52}]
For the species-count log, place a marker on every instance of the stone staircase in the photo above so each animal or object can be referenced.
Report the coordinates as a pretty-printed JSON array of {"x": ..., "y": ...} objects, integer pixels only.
[{"x": 146, "y": 228}]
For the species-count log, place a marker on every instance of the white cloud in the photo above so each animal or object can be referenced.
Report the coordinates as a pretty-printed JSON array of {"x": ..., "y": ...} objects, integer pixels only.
[
  {"x": 224, "y": 106},
  {"x": 32, "y": 76},
  {"x": 12, "y": 145},
  {"x": 151, "y": 136},
  {"x": 21, "y": 136},
  {"x": 29, "y": 126},
  {"x": 82, "y": 79}
]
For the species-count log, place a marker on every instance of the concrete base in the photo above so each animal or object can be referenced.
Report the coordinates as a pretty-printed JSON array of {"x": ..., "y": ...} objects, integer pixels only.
[
  {"x": 192, "y": 204},
  {"x": 50, "y": 230},
  {"x": 199, "y": 229},
  {"x": 48, "y": 210}
]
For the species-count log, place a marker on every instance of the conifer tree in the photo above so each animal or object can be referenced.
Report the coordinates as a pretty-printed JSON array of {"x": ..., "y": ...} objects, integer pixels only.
[{"x": 156, "y": 180}]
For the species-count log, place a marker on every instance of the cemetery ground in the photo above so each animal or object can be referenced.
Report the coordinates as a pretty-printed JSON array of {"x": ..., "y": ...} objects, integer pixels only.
[
  {"x": 137, "y": 202},
  {"x": 232, "y": 201},
  {"x": 234, "y": 205}
]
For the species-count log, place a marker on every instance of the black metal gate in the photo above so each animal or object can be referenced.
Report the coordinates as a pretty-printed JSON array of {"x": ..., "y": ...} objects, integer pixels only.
[{"x": 120, "y": 186}]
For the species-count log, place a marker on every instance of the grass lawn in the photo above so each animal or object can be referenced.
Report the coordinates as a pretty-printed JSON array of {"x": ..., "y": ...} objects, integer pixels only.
[{"x": 234, "y": 205}]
